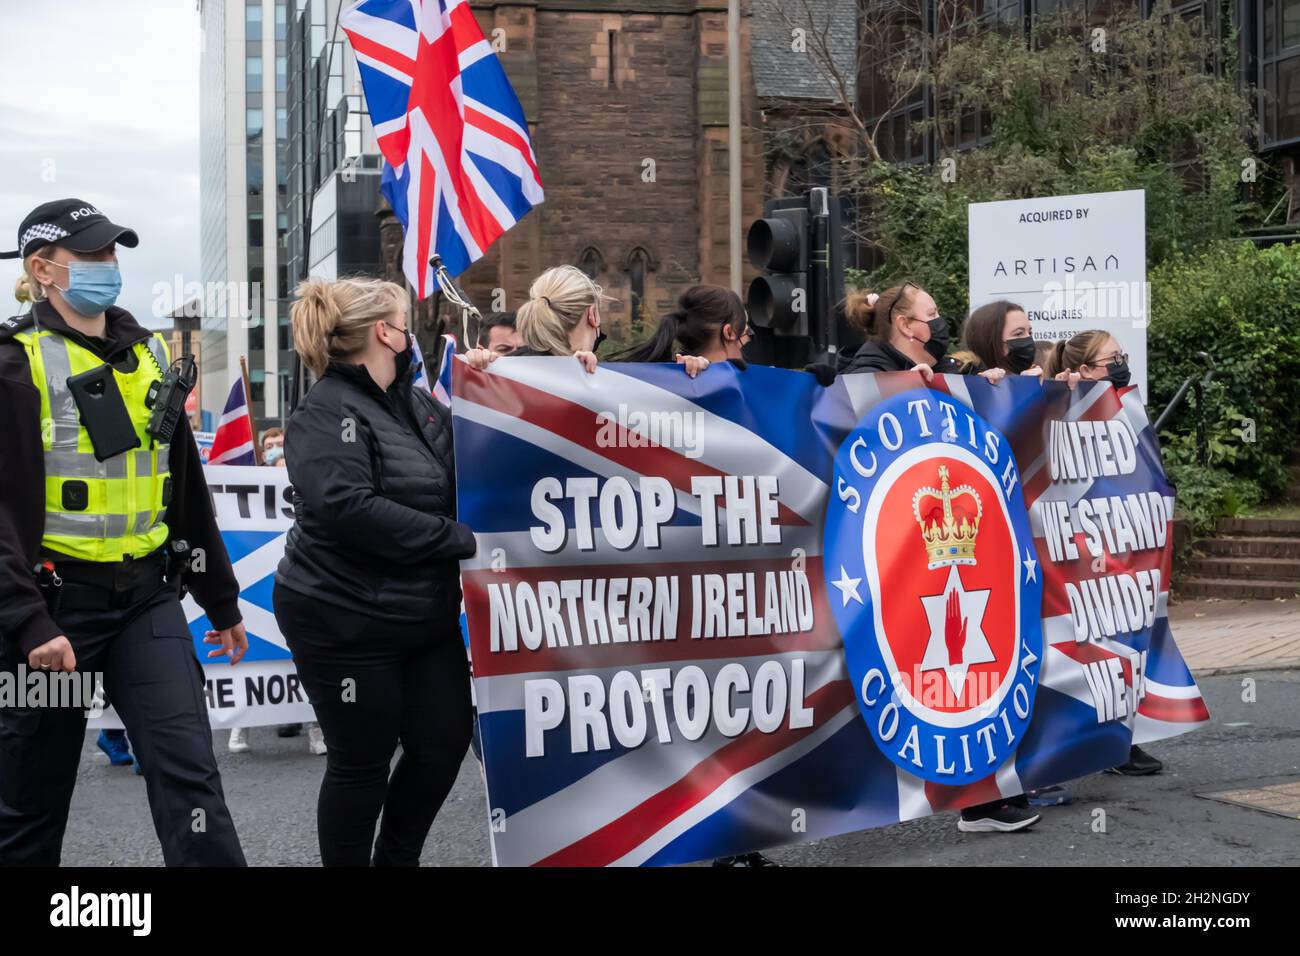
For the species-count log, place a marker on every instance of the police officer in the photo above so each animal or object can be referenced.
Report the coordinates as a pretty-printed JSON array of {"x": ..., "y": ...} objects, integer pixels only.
[{"x": 92, "y": 503}]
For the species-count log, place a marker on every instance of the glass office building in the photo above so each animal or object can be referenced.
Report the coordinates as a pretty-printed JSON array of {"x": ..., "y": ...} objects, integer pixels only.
[
  {"x": 243, "y": 185},
  {"x": 283, "y": 123}
]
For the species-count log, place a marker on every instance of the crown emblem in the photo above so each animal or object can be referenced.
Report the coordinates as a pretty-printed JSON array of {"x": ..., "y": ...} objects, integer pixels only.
[{"x": 949, "y": 520}]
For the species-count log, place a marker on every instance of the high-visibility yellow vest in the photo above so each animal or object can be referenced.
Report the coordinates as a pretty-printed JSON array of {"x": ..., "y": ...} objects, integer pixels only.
[{"x": 125, "y": 495}]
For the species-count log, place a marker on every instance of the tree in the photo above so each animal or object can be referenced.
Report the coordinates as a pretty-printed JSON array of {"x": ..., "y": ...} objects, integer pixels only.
[{"x": 1077, "y": 103}]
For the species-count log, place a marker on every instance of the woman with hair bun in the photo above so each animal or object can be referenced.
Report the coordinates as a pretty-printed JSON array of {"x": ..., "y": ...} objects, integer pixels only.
[
  {"x": 903, "y": 328},
  {"x": 368, "y": 593}
]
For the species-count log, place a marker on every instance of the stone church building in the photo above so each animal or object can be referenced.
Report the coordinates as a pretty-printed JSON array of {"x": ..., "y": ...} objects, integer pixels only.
[{"x": 627, "y": 103}]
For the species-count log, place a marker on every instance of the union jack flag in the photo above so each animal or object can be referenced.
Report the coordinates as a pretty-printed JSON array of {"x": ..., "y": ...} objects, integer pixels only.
[
  {"x": 654, "y": 793},
  {"x": 460, "y": 168},
  {"x": 233, "y": 442}
]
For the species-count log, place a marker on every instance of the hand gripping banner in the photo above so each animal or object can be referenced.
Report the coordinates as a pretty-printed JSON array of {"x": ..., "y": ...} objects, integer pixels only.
[{"x": 714, "y": 615}]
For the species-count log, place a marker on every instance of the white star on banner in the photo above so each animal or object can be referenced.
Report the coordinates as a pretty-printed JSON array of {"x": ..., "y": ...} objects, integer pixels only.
[
  {"x": 976, "y": 649},
  {"x": 848, "y": 587},
  {"x": 1030, "y": 564}
]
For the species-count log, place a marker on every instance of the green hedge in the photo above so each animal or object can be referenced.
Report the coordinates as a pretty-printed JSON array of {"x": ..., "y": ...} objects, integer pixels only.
[{"x": 1241, "y": 304}]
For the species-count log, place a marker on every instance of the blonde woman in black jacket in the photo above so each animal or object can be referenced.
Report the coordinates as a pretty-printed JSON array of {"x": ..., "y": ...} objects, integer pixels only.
[{"x": 368, "y": 593}]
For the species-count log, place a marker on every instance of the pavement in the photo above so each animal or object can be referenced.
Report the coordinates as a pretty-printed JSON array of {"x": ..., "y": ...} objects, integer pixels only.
[
  {"x": 1226, "y": 637},
  {"x": 1244, "y": 655}
]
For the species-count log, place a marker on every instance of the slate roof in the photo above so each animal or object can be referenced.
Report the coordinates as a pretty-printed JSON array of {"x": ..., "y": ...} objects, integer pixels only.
[{"x": 782, "y": 73}]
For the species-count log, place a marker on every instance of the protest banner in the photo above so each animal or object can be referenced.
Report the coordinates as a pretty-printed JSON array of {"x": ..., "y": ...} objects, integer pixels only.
[
  {"x": 713, "y": 615},
  {"x": 254, "y": 515}
]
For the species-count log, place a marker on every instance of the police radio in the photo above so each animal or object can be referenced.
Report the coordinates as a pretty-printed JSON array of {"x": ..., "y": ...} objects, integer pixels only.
[{"x": 167, "y": 398}]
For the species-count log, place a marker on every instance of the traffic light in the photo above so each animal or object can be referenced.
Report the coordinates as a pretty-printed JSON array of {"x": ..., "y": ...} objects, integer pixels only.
[
  {"x": 778, "y": 247},
  {"x": 794, "y": 303}
]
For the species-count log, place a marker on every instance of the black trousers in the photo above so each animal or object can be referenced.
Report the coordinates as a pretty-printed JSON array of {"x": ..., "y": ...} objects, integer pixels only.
[
  {"x": 375, "y": 685},
  {"x": 155, "y": 682}
]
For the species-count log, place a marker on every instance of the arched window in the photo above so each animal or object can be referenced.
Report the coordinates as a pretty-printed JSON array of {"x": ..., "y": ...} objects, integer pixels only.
[
  {"x": 591, "y": 262},
  {"x": 638, "y": 265}
]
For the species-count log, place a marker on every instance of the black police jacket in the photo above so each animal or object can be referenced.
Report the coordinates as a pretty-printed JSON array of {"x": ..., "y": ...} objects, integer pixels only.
[
  {"x": 374, "y": 498},
  {"x": 873, "y": 356}
]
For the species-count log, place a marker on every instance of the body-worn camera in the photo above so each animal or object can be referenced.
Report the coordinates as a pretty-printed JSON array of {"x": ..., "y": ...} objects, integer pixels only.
[{"x": 167, "y": 398}]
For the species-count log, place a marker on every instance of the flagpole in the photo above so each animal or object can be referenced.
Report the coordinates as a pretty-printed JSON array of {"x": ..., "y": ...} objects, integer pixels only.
[
  {"x": 733, "y": 139},
  {"x": 248, "y": 406}
]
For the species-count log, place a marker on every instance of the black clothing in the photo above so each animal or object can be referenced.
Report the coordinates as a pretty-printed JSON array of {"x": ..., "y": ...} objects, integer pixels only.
[
  {"x": 873, "y": 356},
  {"x": 978, "y": 810},
  {"x": 368, "y": 599},
  {"x": 155, "y": 682},
  {"x": 374, "y": 501},
  {"x": 374, "y": 685},
  {"x": 870, "y": 356},
  {"x": 120, "y": 620},
  {"x": 24, "y": 618}
]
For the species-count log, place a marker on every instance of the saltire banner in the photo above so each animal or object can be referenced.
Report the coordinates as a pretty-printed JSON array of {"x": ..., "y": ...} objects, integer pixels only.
[
  {"x": 254, "y": 514},
  {"x": 713, "y": 615}
]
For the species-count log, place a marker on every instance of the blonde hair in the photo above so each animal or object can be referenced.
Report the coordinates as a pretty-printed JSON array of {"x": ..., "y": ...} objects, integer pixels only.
[
  {"x": 1069, "y": 354},
  {"x": 35, "y": 292},
  {"x": 332, "y": 319},
  {"x": 557, "y": 301}
]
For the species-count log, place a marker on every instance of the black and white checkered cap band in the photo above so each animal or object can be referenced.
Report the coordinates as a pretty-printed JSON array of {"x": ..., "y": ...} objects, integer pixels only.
[{"x": 43, "y": 230}]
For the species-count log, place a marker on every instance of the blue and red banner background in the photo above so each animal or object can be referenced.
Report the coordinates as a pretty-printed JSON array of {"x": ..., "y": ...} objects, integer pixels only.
[{"x": 537, "y": 439}]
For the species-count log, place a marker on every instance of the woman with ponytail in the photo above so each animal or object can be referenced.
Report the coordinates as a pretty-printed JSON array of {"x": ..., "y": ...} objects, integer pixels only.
[
  {"x": 368, "y": 593},
  {"x": 709, "y": 323},
  {"x": 903, "y": 328},
  {"x": 1094, "y": 355},
  {"x": 561, "y": 317}
]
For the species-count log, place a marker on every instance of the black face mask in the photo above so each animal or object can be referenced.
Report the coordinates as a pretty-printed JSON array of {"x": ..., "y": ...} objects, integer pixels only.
[
  {"x": 1020, "y": 353},
  {"x": 402, "y": 360},
  {"x": 1119, "y": 374},
  {"x": 937, "y": 347},
  {"x": 600, "y": 337}
]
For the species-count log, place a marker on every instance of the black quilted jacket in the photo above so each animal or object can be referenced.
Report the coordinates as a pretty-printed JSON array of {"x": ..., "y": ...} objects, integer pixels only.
[{"x": 375, "y": 526}]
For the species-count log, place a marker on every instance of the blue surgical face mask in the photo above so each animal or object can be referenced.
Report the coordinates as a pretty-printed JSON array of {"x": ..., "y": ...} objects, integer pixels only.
[
  {"x": 273, "y": 455},
  {"x": 92, "y": 286}
]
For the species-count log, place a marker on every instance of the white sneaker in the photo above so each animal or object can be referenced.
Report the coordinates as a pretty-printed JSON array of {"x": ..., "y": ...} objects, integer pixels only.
[
  {"x": 316, "y": 740},
  {"x": 239, "y": 740}
]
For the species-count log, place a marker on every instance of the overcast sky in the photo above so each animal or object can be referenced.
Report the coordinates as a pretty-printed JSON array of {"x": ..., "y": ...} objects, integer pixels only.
[{"x": 99, "y": 99}]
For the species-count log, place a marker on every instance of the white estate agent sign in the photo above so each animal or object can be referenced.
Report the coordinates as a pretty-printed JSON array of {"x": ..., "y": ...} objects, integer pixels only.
[{"x": 1073, "y": 263}]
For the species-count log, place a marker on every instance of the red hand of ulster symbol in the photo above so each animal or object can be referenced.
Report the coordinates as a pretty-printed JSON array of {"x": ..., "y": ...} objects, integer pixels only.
[{"x": 954, "y": 629}]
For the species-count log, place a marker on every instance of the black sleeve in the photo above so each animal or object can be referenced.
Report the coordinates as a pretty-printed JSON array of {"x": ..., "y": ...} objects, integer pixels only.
[
  {"x": 24, "y": 617},
  {"x": 190, "y": 517},
  {"x": 335, "y": 478},
  {"x": 824, "y": 371}
]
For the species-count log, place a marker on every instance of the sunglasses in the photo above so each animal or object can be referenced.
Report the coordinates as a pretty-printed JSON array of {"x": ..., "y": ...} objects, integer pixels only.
[{"x": 902, "y": 290}]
